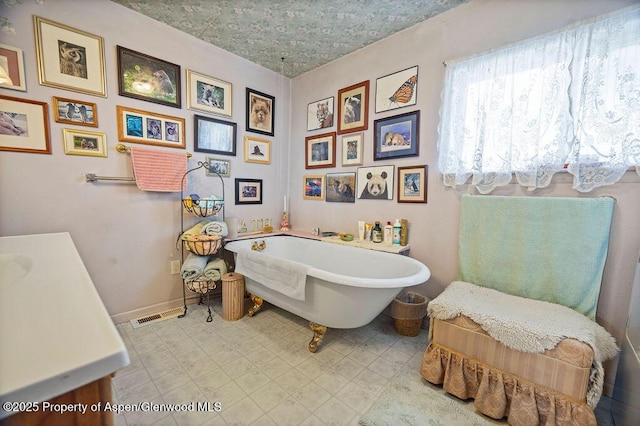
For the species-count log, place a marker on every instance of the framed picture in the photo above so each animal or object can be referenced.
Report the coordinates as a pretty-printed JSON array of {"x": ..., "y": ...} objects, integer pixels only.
[
  {"x": 12, "y": 68},
  {"x": 24, "y": 125},
  {"x": 397, "y": 90},
  {"x": 313, "y": 187},
  {"x": 375, "y": 182},
  {"x": 412, "y": 184},
  {"x": 353, "y": 108},
  {"x": 71, "y": 111},
  {"x": 352, "y": 147},
  {"x": 219, "y": 166},
  {"x": 341, "y": 187},
  {"x": 69, "y": 58},
  {"x": 150, "y": 128},
  {"x": 83, "y": 142},
  {"x": 257, "y": 150},
  {"x": 260, "y": 112},
  {"x": 208, "y": 94},
  {"x": 397, "y": 136},
  {"x": 214, "y": 136},
  {"x": 320, "y": 114},
  {"x": 147, "y": 78},
  {"x": 320, "y": 151},
  {"x": 248, "y": 191}
]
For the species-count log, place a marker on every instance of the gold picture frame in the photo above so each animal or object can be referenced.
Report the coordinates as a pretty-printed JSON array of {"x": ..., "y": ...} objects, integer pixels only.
[
  {"x": 150, "y": 128},
  {"x": 313, "y": 187},
  {"x": 72, "y": 111},
  {"x": 69, "y": 58},
  {"x": 84, "y": 142},
  {"x": 257, "y": 150},
  {"x": 208, "y": 94},
  {"x": 352, "y": 149},
  {"x": 24, "y": 125}
]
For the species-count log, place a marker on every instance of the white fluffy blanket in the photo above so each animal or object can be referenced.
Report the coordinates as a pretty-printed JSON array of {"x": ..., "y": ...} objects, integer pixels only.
[{"x": 526, "y": 325}]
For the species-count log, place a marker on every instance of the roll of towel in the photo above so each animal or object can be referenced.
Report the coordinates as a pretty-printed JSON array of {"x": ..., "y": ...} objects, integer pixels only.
[
  {"x": 215, "y": 269},
  {"x": 193, "y": 267},
  {"x": 194, "y": 230},
  {"x": 215, "y": 228}
]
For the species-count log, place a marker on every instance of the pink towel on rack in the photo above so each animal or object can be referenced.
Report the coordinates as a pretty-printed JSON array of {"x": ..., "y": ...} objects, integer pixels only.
[{"x": 157, "y": 170}]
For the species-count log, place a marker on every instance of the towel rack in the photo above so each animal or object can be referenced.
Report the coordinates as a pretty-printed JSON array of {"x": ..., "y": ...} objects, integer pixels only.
[
  {"x": 122, "y": 149},
  {"x": 91, "y": 177}
]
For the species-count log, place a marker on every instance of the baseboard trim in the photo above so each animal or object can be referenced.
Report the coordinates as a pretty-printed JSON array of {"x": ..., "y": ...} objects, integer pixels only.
[{"x": 152, "y": 309}]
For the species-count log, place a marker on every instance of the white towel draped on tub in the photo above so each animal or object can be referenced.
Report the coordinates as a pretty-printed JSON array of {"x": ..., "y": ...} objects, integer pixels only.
[{"x": 283, "y": 276}]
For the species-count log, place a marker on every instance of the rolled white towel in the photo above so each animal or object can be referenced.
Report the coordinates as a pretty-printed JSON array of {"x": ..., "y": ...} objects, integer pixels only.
[
  {"x": 193, "y": 266},
  {"x": 215, "y": 269},
  {"x": 215, "y": 228}
]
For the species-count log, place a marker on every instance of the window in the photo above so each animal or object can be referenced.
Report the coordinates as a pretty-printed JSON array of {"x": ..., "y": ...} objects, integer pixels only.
[{"x": 566, "y": 100}]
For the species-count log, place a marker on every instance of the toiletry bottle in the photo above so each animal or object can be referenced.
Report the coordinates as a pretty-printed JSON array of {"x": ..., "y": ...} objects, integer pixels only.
[
  {"x": 377, "y": 233},
  {"x": 388, "y": 233},
  {"x": 397, "y": 226}
]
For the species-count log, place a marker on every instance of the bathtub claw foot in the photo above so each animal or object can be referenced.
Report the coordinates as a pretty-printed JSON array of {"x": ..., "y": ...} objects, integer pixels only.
[
  {"x": 257, "y": 305},
  {"x": 318, "y": 334}
]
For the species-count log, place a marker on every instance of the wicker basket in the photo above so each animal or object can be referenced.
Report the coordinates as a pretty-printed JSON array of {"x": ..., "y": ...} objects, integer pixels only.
[
  {"x": 202, "y": 245},
  {"x": 201, "y": 287},
  {"x": 408, "y": 309}
]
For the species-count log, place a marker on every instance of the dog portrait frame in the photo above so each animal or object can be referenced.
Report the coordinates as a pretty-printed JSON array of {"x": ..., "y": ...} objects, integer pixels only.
[
  {"x": 144, "y": 77},
  {"x": 353, "y": 108},
  {"x": 12, "y": 64},
  {"x": 397, "y": 90},
  {"x": 208, "y": 94},
  {"x": 71, "y": 111},
  {"x": 313, "y": 122},
  {"x": 84, "y": 142},
  {"x": 214, "y": 136},
  {"x": 150, "y": 128},
  {"x": 265, "y": 125},
  {"x": 397, "y": 136},
  {"x": 386, "y": 172},
  {"x": 352, "y": 149},
  {"x": 248, "y": 191},
  {"x": 220, "y": 166},
  {"x": 313, "y": 187},
  {"x": 412, "y": 184},
  {"x": 257, "y": 150},
  {"x": 32, "y": 118},
  {"x": 320, "y": 151},
  {"x": 341, "y": 187},
  {"x": 83, "y": 73}
]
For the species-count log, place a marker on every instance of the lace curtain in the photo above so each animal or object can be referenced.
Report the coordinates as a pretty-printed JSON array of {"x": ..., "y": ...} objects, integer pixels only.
[{"x": 571, "y": 96}]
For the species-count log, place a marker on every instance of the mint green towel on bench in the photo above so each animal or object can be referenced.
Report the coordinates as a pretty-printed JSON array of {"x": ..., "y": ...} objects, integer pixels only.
[{"x": 545, "y": 248}]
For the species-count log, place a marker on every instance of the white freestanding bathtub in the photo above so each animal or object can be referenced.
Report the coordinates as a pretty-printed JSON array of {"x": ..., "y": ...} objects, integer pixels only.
[{"x": 346, "y": 287}]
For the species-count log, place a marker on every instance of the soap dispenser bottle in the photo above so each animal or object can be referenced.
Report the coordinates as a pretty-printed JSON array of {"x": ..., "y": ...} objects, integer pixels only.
[
  {"x": 388, "y": 233},
  {"x": 397, "y": 226}
]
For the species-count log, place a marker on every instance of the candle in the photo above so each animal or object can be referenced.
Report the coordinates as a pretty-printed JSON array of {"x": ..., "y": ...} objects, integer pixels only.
[{"x": 285, "y": 204}]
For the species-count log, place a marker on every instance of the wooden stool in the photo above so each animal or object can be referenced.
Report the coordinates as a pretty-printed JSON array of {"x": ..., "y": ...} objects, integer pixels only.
[{"x": 232, "y": 296}]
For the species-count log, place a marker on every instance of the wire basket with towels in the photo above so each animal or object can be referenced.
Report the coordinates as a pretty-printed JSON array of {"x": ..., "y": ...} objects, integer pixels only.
[{"x": 202, "y": 245}]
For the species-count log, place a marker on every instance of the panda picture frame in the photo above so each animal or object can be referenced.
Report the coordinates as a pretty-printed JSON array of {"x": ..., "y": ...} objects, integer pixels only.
[{"x": 375, "y": 182}]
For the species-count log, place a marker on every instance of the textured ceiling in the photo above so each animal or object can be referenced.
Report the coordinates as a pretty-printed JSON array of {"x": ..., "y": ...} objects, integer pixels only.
[{"x": 306, "y": 33}]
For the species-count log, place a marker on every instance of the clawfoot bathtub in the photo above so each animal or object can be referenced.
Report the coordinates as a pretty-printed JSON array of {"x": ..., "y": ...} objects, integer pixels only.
[{"x": 345, "y": 287}]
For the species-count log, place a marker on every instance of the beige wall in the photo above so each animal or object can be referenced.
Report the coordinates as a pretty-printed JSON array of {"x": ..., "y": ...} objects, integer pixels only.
[{"x": 465, "y": 30}]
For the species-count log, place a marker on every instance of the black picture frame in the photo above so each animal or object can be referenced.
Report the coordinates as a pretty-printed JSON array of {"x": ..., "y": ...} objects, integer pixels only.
[
  {"x": 144, "y": 77},
  {"x": 397, "y": 136},
  {"x": 260, "y": 112},
  {"x": 214, "y": 136},
  {"x": 248, "y": 191}
]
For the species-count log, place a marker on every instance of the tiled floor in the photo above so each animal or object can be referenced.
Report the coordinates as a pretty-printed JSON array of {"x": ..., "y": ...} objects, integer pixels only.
[{"x": 260, "y": 370}]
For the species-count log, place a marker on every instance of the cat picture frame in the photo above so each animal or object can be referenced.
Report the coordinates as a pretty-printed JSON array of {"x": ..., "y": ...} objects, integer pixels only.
[{"x": 320, "y": 114}]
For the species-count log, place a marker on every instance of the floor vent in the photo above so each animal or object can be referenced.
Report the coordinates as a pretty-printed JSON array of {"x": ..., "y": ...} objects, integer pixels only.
[{"x": 154, "y": 318}]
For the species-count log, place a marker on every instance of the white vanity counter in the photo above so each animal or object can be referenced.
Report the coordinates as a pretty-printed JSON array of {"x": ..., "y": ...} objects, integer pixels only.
[{"x": 55, "y": 333}]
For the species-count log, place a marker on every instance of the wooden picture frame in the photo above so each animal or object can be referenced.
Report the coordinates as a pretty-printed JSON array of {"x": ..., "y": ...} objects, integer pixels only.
[
  {"x": 69, "y": 58},
  {"x": 12, "y": 68},
  {"x": 214, "y": 136},
  {"x": 352, "y": 149},
  {"x": 320, "y": 114},
  {"x": 341, "y": 187},
  {"x": 144, "y": 77},
  {"x": 24, "y": 125},
  {"x": 313, "y": 187},
  {"x": 208, "y": 94},
  {"x": 150, "y": 128},
  {"x": 257, "y": 150},
  {"x": 84, "y": 142},
  {"x": 413, "y": 184},
  {"x": 260, "y": 112},
  {"x": 320, "y": 151},
  {"x": 248, "y": 191},
  {"x": 218, "y": 166},
  {"x": 72, "y": 111},
  {"x": 397, "y": 136},
  {"x": 375, "y": 182},
  {"x": 397, "y": 90},
  {"x": 353, "y": 108}
]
